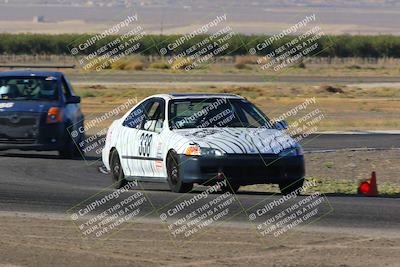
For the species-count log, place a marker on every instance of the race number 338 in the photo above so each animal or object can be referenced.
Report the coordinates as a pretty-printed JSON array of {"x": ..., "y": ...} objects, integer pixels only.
[{"x": 145, "y": 144}]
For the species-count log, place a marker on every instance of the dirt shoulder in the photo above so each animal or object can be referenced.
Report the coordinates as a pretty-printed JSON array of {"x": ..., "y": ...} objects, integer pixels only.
[
  {"x": 345, "y": 108},
  {"x": 27, "y": 241},
  {"x": 355, "y": 165},
  {"x": 342, "y": 171}
]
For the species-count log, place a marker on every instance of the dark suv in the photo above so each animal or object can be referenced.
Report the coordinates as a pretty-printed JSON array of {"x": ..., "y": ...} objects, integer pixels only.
[{"x": 38, "y": 111}]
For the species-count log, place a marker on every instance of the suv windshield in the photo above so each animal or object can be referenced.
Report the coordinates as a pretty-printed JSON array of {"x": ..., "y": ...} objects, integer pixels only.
[
  {"x": 28, "y": 88},
  {"x": 215, "y": 112}
]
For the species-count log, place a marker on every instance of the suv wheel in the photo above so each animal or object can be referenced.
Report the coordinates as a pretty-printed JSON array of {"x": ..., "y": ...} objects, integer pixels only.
[
  {"x": 290, "y": 187},
  {"x": 68, "y": 150},
  {"x": 230, "y": 187}
]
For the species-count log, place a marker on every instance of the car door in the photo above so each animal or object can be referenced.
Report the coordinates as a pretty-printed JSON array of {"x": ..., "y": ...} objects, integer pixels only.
[
  {"x": 140, "y": 139},
  {"x": 128, "y": 140},
  {"x": 149, "y": 149}
]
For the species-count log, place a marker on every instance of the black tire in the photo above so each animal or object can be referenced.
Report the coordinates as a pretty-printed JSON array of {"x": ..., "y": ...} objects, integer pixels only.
[
  {"x": 78, "y": 150},
  {"x": 290, "y": 187},
  {"x": 68, "y": 149},
  {"x": 174, "y": 178},
  {"x": 117, "y": 173},
  {"x": 230, "y": 187}
]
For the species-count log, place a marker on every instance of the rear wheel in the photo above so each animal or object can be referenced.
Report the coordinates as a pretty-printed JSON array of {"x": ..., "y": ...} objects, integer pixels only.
[
  {"x": 174, "y": 178},
  {"x": 290, "y": 187},
  {"x": 117, "y": 172}
]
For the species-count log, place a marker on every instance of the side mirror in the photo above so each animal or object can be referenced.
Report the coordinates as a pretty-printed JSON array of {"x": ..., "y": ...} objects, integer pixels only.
[
  {"x": 73, "y": 100},
  {"x": 281, "y": 125}
]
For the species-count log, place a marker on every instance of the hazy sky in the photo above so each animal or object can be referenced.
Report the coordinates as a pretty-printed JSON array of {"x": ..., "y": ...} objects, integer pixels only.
[{"x": 173, "y": 16}]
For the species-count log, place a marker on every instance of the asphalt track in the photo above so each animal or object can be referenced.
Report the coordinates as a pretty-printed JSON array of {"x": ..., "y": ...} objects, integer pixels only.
[
  {"x": 131, "y": 78},
  {"x": 43, "y": 183},
  {"x": 327, "y": 142}
]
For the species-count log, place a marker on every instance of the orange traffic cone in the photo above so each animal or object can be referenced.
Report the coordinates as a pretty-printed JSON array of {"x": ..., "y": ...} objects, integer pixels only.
[
  {"x": 373, "y": 189},
  {"x": 369, "y": 188}
]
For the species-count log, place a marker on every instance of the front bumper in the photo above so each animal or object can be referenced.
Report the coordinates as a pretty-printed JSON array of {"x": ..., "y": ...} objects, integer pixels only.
[
  {"x": 48, "y": 137},
  {"x": 242, "y": 169}
]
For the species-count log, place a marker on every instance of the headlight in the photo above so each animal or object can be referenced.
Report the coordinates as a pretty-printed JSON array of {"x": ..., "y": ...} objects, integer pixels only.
[
  {"x": 196, "y": 150},
  {"x": 211, "y": 152},
  {"x": 290, "y": 152},
  {"x": 55, "y": 114}
]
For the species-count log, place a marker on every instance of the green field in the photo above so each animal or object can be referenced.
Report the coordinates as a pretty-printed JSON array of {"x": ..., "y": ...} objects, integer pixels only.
[{"x": 328, "y": 46}]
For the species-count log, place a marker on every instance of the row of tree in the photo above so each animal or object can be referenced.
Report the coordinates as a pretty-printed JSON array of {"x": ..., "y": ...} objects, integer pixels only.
[{"x": 328, "y": 46}]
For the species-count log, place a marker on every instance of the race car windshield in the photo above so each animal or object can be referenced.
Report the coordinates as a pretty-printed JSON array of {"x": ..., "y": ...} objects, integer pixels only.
[
  {"x": 28, "y": 88},
  {"x": 215, "y": 112}
]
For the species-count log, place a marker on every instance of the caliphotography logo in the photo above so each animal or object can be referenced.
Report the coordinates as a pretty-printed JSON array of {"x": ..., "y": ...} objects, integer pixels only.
[
  {"x": 108, "y": 212},
  {"x": 191, "y": 216},
  {"x": 94, "y": 129}
]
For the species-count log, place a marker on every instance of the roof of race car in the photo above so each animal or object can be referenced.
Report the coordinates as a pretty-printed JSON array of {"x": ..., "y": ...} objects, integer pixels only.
[
  {"x": 31, "y": 73},
  {"x": 200, "y": 95}
]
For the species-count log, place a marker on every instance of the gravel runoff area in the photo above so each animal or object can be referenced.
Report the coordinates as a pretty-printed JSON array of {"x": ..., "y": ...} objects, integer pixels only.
[
  {"x": 355, "y": 165},
  {"x": 27, "y": 241},
  {"x": 341, "y": 171}
]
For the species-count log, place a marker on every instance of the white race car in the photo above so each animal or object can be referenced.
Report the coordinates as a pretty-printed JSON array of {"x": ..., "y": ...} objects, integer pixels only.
[{"x": 185, "y": 139}]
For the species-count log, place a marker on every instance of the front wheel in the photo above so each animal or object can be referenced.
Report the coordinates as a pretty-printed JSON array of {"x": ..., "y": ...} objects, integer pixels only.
[
  {"x": 70, "y": 150},
  {"x": 67, "y": 151},
  {"x": 290, "y": 187},
  {"x": 174, "y": 178},
  {"x": 117, "y": 172}
]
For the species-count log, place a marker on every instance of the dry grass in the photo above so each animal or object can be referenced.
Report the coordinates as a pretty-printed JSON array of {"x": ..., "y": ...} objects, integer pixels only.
[
  {"x": 342, "y": 171},
  {"x": 354, "y": 109},
  {"x": 129, "y": 63},
  {"x": 181, "y": 63},
  {"x": 242, "y": 62},
  {"x": 161, "y": 65}
]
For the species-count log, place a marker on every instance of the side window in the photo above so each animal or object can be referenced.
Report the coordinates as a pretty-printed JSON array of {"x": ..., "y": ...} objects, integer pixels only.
[
  {"x": 154, "y": 116},
  {"x": 65, "y": 88},
  {"x": 135, "y": 118}
]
